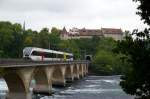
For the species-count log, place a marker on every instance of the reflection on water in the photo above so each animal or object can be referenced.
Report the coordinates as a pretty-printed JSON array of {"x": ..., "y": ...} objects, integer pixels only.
[{"x": 91, "y": 87}]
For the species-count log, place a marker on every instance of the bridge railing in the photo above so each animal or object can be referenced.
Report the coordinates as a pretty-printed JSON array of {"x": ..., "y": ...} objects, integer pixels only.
[{"x": 6, "y": 62}]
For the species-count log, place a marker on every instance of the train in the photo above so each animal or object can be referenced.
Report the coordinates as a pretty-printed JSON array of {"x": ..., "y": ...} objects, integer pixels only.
[{"x": 40, "y": 54}]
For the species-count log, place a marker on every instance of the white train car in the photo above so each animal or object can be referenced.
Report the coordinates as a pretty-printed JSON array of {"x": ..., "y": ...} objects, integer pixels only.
[{"x": 40, "y": 54}]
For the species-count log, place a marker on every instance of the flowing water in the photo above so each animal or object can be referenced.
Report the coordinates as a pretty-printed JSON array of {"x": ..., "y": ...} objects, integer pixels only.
[{"x": 90, "y": 87}]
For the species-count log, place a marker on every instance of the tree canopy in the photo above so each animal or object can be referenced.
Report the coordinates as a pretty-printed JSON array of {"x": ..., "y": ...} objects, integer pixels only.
[
  {"x": 13, "y": 38},
  {"x": 144, "y": 10},
  {"x": 137, "y": 53},
  {"x": 136, "y": 80}
]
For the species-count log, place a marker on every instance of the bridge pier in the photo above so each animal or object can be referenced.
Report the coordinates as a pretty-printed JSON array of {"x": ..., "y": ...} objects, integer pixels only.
[
  {"x": 18, "y": 82},
  {"x": 58, "y": 77},
  {"x": 76, "y": 71},
  {"x": 81, "y": 72},
  {"x": 69, "y": 73},
  {"x": 86, "y": 65},
  {"x": 43, "y": 76},
  {"x": 84, "y": 69},
  {"x": 19, "y": 95}
]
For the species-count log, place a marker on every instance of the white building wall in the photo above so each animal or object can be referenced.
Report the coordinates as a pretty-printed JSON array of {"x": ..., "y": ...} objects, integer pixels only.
[{"x": 114, "y": 36}]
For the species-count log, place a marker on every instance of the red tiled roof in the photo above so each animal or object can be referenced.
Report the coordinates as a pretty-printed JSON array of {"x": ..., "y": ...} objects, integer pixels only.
[
  {"x": 93, "y": 32},
  {"x": 111, "y": 31},
  {"x": 64, "y": 31},
  {"x": 90, "y": 32}
]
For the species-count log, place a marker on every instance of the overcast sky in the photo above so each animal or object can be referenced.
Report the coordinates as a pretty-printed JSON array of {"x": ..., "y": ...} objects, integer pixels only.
[{"x": 71, "y": 13}]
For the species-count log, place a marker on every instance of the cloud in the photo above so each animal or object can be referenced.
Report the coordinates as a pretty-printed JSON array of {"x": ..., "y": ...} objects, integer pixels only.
[{"x": 70, "y": 13}]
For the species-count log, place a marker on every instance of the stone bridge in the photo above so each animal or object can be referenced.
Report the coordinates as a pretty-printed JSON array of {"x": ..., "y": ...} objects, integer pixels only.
[{"x": 18, "y": 75}]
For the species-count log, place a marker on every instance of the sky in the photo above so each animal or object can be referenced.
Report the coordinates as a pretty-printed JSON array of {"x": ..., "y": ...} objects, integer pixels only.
[{"x": 92, "y": 14}]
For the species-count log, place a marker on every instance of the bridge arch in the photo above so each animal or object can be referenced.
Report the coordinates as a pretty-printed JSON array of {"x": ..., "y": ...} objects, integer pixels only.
[
  {"x": 76, "y": 71},
  {"x": 81, "y": 74},
  {"x": 58, "y": 76},
  {"x": 42, "y": 82},
  {"x": 69, "y": 73},
  {"x": 18, "y": 77},
  {"x": 84, "y": 69},
  {"x": 16, "y": 85}
]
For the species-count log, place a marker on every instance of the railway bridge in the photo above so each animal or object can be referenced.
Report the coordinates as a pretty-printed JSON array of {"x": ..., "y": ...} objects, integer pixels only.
[{"x": 19, "y": 73}]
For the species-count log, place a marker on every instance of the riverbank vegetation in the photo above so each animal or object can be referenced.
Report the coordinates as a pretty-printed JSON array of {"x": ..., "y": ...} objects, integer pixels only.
[
  {"x": 106, "y": 61},
  {"x": 136, "y": 80}
]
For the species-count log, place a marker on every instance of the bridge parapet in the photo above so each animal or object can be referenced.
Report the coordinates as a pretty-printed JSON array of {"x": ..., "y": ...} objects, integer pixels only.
[{"x": 7, "y": 63}]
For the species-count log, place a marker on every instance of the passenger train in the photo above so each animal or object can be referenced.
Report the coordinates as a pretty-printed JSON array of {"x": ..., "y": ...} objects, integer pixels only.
[{"x": 40, "y": 54}]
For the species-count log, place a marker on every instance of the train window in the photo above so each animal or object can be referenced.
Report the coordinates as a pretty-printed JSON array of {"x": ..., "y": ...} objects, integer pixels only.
[
  {"x": 53, "y": 55},
  {"x": 61, "y": 56},
  {"x": 70, "y": 56},
  {"x": 47, "y": 55},
  {"x": 56, "y": 55},
  {"x": 67, "y": 56},
  {"x": 36, "y": 53},
  {"x": 26, "y": 55}
]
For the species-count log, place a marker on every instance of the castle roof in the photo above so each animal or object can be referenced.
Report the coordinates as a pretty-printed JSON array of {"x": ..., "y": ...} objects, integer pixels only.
[{"x": 111, "y": 31}]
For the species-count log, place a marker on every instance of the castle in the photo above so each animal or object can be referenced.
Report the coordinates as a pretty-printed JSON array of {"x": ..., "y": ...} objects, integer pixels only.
[{"x": 75, "y": 33}]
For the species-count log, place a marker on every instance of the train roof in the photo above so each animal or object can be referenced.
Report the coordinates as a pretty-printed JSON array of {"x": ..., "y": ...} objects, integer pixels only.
[{"x": 45, "y": 50}]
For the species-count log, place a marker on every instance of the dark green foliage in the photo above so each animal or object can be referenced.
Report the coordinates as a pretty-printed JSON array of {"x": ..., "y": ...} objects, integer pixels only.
[
  {"x": 54, "y": 38},
  {"x": 80, "y": 47},
  {"x": 144, "y": 10},
  {"x": 10, "y": 39},
  {"x": 13, "y": 38},
  {"x": 137, "y": 51},
  {"x": 105, "y": 61},
  {"x": 136, "y": 81},
  {"x": 44, "y": 38},
  {"x": 70, "y": 46}
]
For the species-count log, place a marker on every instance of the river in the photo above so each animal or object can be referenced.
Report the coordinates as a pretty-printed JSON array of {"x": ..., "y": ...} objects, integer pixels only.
[{"x": 90, "y": 87}]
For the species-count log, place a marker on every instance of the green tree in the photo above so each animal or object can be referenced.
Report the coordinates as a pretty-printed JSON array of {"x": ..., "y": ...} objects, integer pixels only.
[
  {"x": 144, "y": 10},
  {"x": 88, "y": 44},
  {"x": 55, "y": 31},
  {"x": 105, "y": 61},
  {"x": 1, "y": 54},
  {"x": 27, "y": 38},
  {"x": 70, "y": 46},
  {"x": 107, "y": 44},
  {"x": 17, "y": 42},
  {"x": 7, "y": 38},
  {"x": 44, "y": 38},
  {"x": 54, "y": 38},
  {"x": 102, "y": 62},
  {"x": 136, "y": 80}
]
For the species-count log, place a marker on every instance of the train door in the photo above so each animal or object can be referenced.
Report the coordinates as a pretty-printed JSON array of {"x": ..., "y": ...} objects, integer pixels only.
[
  {"x": 65, "y": 56},
  {"x": 42, "y": 56}
]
